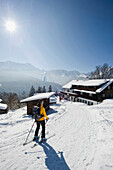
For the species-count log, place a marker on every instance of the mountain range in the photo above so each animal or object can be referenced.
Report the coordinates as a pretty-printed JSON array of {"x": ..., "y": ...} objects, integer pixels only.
[{"x": 18, "y": 77}]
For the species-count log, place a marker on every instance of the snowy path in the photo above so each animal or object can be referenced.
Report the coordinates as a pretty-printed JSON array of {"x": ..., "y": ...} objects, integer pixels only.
[
  {"x": 83, "y": 139},
  {"x": 77, "y": 137}
]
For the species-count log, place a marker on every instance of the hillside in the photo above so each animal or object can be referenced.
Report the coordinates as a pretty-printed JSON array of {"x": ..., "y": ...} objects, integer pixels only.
[
  {"x": 17, "y": 76},
  {"x": 83, "y": 138},
  {"x": 25, "y": 85}
]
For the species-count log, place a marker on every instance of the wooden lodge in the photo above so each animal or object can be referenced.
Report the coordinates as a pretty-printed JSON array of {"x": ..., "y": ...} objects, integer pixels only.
[
  {"x": 34, "y": 100},
  {"x": 89, "y": 91},
  {"x": 68, "y": 95}
]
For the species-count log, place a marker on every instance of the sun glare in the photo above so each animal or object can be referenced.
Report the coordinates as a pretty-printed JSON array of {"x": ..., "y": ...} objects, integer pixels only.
[{"x": 10, "y": 25}]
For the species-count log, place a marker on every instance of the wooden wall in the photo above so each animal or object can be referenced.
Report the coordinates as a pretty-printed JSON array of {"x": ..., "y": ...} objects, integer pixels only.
[{"x": 30, "y": 105}]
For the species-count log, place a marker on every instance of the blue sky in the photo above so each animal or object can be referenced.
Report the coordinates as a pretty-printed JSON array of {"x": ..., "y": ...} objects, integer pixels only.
[{"x": 58, "y": 34}]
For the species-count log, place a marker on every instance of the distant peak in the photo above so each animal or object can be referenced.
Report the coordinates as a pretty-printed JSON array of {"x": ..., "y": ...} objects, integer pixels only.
[{"x": 17, "y": 66}]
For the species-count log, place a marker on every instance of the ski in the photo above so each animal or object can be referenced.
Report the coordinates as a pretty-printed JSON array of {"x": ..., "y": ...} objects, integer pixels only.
[
  {"x": 50, "y": 136},
  {"x": 39, "y": 142},
  {"x": 34, "y": 145},
  {"x": 32, "y": 140}
]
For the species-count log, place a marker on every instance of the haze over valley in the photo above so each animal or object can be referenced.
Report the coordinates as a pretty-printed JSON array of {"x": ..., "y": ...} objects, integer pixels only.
[{"x": 17, "y": 77}]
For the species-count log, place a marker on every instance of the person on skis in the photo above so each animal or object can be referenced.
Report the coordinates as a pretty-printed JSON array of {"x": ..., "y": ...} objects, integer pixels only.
[{"x": 41, "y": 121}]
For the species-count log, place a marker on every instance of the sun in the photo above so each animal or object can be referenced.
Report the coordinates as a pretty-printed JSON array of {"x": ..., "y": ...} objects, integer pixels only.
[{"x": 10, "y": 25}]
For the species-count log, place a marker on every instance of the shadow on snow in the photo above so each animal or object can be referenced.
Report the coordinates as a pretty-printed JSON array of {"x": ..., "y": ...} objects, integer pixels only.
[
  {"x": 53, "y": 161},
  {"x": 51, "y": 111}
]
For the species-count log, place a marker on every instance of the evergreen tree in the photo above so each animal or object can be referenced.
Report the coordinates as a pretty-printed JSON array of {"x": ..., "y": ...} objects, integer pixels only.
[
  {"x": 56, "y": 93},
  {"x": 39, "y": 90},
  {"x": 32, "y": 91},
  {"x": 44, "y": 89},
  {"x": 50, "y": 88}
]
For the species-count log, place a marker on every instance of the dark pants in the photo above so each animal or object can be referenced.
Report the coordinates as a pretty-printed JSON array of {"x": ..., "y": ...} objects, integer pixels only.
[{"x": 42, "y": 123}]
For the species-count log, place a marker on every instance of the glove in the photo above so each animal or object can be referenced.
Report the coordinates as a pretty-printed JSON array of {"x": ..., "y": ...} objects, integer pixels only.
[{"x": 47, "y": 119}]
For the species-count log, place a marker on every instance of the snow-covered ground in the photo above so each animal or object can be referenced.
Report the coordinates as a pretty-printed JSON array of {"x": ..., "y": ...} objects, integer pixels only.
[{"x": 83, "y": 139}]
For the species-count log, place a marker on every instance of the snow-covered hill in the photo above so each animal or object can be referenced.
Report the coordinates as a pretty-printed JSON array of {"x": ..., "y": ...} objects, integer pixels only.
[
  {"x": 16, "y": 77},
  {"x": 83, "y": 139}
]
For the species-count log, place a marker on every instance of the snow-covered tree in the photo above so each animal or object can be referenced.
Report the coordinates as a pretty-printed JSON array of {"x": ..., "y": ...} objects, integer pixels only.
[
  {"x": 102, "y": 72},
  {"x": 13, "y": 101}
]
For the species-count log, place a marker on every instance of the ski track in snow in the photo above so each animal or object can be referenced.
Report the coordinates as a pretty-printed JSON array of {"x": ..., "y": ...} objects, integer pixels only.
[{"x": 83, "y": 140}]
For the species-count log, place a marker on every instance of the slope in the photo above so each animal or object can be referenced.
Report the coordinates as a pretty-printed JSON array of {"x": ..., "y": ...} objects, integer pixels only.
[{"x": 83, "y": 139}]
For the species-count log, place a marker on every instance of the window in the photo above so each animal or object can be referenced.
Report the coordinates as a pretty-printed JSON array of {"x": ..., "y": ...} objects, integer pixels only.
[
  {"x": 90, "y": 94},
  {"x": 90, "y": 103},
  {"x": 111, "y": 95},
  {"x": 85, "y": 101},
  {"x": 103, "y": 95}
]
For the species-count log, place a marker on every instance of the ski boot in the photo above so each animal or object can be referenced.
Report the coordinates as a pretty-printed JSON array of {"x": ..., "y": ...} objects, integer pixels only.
[
  {"x": 43, "y": 140},
  {"x": 36, "y": 138}
]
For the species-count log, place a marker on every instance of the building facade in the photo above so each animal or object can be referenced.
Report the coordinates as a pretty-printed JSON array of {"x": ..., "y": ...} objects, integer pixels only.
[{"x": 90, "y": 91}]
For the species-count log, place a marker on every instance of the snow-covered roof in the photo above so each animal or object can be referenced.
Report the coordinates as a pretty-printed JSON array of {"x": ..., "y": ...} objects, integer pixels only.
[
  {"x": 38, "y": 96},
  {"x": 104, "y": 86},
  {"x": 3, "y": 106},
  {"x": 68, "y": 85},
  {"x": 95, "y": 82}
]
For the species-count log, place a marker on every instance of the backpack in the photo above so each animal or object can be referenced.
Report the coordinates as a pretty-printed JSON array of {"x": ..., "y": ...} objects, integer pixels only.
[{"x": 36, "y": 113}]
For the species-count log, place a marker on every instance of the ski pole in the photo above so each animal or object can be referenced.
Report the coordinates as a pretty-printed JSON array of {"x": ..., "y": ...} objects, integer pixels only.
[{"x": 29, "y": 133}]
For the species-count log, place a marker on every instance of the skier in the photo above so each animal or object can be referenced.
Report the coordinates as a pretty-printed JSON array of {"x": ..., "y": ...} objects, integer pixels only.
[{"x": 41, "y": 122}]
